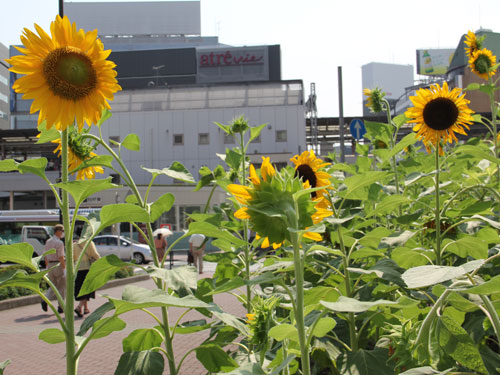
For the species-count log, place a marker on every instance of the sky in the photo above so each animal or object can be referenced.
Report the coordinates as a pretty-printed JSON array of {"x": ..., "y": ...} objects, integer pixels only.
[{"x": 316, "y": 36}]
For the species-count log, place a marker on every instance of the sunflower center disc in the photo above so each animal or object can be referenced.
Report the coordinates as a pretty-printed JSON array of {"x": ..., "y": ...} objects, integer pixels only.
[
  {"x": 69, "y": 73},
  {"x": 306, "y": 173},
  {"x": 440, "y": 114}
]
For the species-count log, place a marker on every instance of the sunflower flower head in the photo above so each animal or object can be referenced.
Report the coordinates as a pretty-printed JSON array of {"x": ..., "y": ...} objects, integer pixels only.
[
  {"x": 311, "y": 169},
  {"x": 473, "y": 43},
  {"x": 374, "y": 99},
  {"x": 65, "y": 73},
  {"x": 438, "y": 113},
  {"x": 268, "y": 204},
  {"x": 80, "y": 150},
  {"x": 482, "y": 63}
]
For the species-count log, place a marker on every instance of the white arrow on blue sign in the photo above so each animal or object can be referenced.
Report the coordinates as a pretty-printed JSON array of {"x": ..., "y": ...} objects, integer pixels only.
[{"x": 357, "y": 128}]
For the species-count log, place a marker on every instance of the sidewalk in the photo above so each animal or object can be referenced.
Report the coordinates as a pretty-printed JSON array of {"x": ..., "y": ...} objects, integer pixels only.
[{"x": 20, "y": 327}]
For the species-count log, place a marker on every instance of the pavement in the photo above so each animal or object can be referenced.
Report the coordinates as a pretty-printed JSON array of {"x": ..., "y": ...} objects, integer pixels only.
[{"x": 21, "y": 326}]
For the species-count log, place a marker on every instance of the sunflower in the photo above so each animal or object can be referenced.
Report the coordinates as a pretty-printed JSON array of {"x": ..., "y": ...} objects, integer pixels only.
[
  {"x": 79, "y": 151},
  {"x": 307, "y": 168},
  {"x": 66, "y": 74},
  {"x": 267, "y": 203},
  {"x": 473, "y": 44},
  {"x": 438, "y": 114},
  {"x": 374, "y": 99},
  {"x": 481, "y": 62}
]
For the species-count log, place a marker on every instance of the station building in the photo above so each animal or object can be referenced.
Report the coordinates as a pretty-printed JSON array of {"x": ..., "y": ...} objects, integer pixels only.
[{"x": 176, "y": 85}]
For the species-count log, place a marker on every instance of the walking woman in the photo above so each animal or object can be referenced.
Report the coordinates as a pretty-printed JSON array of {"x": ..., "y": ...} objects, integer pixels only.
[{"x": 90, "y": 256}]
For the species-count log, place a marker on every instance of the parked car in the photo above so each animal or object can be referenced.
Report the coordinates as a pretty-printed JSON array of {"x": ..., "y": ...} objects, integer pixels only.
[{"x": 127, "y": 249}]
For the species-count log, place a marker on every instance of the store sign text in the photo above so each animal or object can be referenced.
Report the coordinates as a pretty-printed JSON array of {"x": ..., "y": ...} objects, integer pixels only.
[{"x": 228, "y": 59}]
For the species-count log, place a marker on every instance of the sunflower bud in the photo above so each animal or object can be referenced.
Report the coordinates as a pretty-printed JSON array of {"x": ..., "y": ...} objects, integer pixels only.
[{"x": 239, "y": 125}]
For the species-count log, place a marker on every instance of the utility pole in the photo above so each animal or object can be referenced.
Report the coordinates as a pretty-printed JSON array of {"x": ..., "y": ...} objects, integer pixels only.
[{"x": 312, "y": 112}]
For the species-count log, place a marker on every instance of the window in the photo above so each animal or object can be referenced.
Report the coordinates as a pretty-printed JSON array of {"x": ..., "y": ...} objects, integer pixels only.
[
  {"x": 114, "y": 139},
  {"x": 280, "y": 135},
  {"x": 115, "y": 178},
  {"x": 112, "y": 241},
  {"x": 228, "y": 139},
  {"x": 38, "y": 234},
  {"x": 178, "y": 139},
  {"x": 203, "y": 139},
  {"x": 100, "y": 241}
]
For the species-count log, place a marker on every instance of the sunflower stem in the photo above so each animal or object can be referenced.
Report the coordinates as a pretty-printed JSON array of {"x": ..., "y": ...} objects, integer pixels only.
[
  {"x": 299, "y": 296},
  {"x": 393, "y": 140},
  {"x": 437, "y": 210},
  {"x": 494, "y": 112},
  {"x": 71, "y": 359},
  {"x": 245, "y": 226}
]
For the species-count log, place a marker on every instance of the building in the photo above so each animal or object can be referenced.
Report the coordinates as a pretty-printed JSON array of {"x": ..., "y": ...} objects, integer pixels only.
[
  {"x": 460, "y": 75},
  {"x": 176, "y": 85},
  {"x": 393, "y": 79},
  {"x": 4, "y": 88}
]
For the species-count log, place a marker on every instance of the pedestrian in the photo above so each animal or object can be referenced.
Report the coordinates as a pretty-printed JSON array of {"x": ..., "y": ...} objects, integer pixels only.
[
  {"x": 57, "y": 265},
  {"x": 197, "y": 248},
  {"x": 90, "y": 256},
  {"x": 160, "y": 244}
]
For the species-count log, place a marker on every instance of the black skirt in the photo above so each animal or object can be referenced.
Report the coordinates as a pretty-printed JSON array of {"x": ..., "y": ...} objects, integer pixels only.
[{"x": 80, "y": 277}]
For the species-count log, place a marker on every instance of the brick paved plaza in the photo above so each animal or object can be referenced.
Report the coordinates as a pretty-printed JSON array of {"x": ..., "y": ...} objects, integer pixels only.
[{"x": 20, "y": 327}]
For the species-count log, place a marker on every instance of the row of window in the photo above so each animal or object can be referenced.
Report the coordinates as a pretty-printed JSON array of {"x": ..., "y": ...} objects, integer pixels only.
[{"x": 204, "y": 138}]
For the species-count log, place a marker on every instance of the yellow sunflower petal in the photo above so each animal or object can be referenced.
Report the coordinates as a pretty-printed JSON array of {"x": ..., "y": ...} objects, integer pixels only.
[{"x": 78, "y": 91}]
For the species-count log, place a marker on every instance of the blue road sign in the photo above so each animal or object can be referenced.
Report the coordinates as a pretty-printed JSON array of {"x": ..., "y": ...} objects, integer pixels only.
[{"x": 357, "y": 128}]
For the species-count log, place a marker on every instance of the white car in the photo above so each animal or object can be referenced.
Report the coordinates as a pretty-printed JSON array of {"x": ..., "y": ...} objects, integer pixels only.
[{"x": 127, "y": 249}]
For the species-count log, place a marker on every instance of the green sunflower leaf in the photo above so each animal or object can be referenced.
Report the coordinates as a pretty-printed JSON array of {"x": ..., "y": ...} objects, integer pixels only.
[
  {"x": 457, "y": 343},
  {"x": 476, "y": 152},
  {"x": 96, "y": 161},
  {"x": 146, "y": 362},
  {"x": 176, "y": 171},
  {"x": 8, "y": 165},
  {"x": 82, "y": 189},
  {"x": 255, "y": 132},
  {"x": 161, "y": 205},
  {"x": 101, "y": 271},
  {"x": 345, "y": 304},
  {"x": 142, "y": 339},
  {"x": 52, "y": 336},
  {"x": 132, "y": 142},
  {"x": 215, "y": 359},
  {"x": 122, "y": 213},
  {"x": 226, "y": 128},
  {"x": 47, "y": 135},
  {"x": 105, "y": 115},
  {"x": 19, "y": 253},
  {"x": 210, "y": 230},
  {"x": 419, "y": 277},
  {"x": 408, "y": 140},
  {"x": 358, "y": 182},
  {"x": 473, "y": 86},
  {"x": 34, "y": 166}
]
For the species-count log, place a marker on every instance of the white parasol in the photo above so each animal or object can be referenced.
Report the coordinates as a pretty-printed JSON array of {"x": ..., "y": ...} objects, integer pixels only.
[{"x": 164, "y": 231}]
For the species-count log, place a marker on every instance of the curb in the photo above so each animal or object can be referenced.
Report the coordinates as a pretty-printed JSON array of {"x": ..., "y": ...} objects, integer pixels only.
[{"x": 33, "y": 299}]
